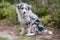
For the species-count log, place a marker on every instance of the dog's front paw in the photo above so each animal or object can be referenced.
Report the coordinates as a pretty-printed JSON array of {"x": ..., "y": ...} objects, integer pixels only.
[
  {"x": 21, "y": 33},
  {"x": 30, "y": 34}
]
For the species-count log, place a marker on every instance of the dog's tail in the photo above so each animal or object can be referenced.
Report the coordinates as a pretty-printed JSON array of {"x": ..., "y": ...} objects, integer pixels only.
[
  {"x": 48, "y": 31},
  {"x": 41, "y": 28}
]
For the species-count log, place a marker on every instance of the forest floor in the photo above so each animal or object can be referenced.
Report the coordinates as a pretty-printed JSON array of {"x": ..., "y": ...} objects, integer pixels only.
[{"x": 11, "y": 32}]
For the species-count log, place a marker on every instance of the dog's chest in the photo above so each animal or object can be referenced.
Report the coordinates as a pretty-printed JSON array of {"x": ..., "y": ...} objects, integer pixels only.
[{"x": 23, "y": 20}]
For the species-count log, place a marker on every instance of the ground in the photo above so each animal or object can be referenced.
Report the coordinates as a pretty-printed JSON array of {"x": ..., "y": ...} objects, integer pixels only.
[{"x": 11, "y": 32}]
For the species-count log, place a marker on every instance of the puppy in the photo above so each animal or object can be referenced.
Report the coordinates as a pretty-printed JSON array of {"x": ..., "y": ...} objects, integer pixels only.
[
  {"x": 22, "y": 10},
  {"x": 28, "y": 20}
]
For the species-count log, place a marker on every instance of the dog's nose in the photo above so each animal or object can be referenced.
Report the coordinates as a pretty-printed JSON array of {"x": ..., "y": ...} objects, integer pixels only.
[{"x": 24, "y": 12}]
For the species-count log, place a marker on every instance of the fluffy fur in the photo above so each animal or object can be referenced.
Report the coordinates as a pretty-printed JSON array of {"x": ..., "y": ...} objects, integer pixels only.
[{"x": 29, "y": 21}]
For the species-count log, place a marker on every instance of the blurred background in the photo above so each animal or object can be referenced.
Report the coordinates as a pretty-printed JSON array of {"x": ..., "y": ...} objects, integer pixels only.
[{"x": 47, "y": 10}]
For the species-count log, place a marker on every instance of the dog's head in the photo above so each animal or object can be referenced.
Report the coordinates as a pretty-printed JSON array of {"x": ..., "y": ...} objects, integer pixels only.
[{"x": 23, "y": 8}]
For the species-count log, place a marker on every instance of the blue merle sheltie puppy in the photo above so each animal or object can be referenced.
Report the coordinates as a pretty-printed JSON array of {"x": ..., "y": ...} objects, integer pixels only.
[{"x": 29, "y": 21}]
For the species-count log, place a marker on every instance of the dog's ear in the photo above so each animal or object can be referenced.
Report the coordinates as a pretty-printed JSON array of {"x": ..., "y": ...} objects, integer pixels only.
[
  {"x": 19, "y": 5},
  {"x": 29, "y": 7}
]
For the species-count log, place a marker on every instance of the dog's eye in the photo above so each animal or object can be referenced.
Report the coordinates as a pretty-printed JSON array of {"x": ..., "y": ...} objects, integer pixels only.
[{"x": 22, "y": 8}]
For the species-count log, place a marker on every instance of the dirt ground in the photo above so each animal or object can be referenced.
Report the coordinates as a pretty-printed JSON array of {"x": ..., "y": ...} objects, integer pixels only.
[{"x": 12, "y": 31}]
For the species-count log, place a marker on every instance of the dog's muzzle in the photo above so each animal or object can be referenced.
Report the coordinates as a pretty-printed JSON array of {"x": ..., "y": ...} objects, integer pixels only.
[{"x": 24, "y": 12}]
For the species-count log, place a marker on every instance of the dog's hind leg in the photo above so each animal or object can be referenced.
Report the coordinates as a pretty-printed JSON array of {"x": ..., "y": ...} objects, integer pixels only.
[
  {"x": 30, "y": 31},
  {"x": 48, "y": 31}
]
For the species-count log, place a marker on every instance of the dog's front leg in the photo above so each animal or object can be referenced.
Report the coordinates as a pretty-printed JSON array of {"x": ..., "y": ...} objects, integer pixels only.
[
  {"x": 29, "y": 30},
  {"x": 22, "y": 30}
]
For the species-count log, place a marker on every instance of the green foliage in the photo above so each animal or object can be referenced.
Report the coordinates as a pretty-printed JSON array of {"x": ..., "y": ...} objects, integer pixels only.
[
  {"x": 3, "y": 6},
  {"x": 40, "y": 11},
  {"x": 45, "y": 19},
  {"x": 8, "y": 11}
]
